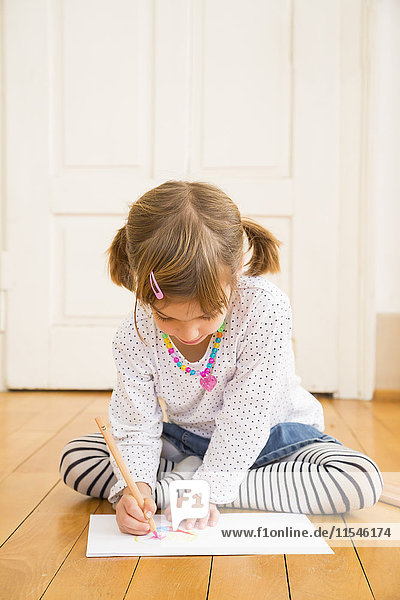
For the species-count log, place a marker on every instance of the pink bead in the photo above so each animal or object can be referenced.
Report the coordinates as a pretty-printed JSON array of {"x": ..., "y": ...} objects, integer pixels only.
[
  {"x": 188, "y": 369},
  {"x": 176, "y": 359},
  {"x": 207, "y": 371},
  {"x": 203, "y": 373},
  {"x": 211, "y": 360},
  {"x": 171, "y": 351}
]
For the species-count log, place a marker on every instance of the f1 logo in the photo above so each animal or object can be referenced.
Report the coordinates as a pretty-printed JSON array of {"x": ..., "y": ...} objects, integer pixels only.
[{"x": 189, "y": 499}]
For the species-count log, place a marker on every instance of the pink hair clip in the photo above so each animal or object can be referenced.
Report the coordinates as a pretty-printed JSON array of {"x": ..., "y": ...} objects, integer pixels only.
[{"x": 159, "y": 293}]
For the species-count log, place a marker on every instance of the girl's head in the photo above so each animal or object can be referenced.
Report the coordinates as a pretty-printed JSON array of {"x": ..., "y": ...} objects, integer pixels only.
[{"x": 190, "y": 234}]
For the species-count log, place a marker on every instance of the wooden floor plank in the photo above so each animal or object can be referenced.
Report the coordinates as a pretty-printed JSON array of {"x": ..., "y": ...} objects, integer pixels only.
[
  {"x": 39, "y": 411},
  {"x": 90, "y": 578},
  {"x": 233, "y": 577},
  {"x": 327, "y": 576},
  {"x": 268, "y": 576},
  {"x": 35, "y": 476},
  {"x": 388, "y": 413},
  {"x": 380, "y": 558},
  {"x": 46, "y": 523},
  {"x": 326, "y": 570},
  {"x": 374, "y": 425},
  {"x": 137, "y": 577},
  {"x": 381, "y": 444},
  {"x": 170, "y": 578},
  {"x": 19, "y": 445},
  {"x": 32, "y": 556}
]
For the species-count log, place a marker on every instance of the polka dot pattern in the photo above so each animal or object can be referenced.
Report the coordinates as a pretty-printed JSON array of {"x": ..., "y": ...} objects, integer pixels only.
[{"x": 257, "y": 388}]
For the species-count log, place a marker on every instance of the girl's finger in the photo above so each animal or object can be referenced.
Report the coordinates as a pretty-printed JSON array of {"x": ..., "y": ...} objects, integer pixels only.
[
  {"x": 137, "y": 529},
  {"x": 203, "y": 522},
  {"x": 149, "y": 507},
  {"x": 128, "y": 524},
  {"x": 214, "y": 516},
  {"x": 190, "y": 523},
  {"x": 133, "y": 509}
]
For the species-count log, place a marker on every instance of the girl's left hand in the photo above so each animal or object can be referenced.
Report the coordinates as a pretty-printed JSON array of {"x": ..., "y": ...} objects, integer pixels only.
[{"x": 211, "y": 519}]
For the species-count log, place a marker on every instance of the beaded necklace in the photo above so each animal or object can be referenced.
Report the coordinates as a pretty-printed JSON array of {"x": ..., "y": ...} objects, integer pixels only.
[{"x": 207, "y": 380}]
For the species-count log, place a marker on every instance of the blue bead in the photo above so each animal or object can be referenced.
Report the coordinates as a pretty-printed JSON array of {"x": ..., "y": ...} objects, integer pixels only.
[
  {"x": 193, "y": 372},
  {"x": 218, "y": 340},
  {"x": 179, "y": 364},
  {"x": 209, "y": 366}
]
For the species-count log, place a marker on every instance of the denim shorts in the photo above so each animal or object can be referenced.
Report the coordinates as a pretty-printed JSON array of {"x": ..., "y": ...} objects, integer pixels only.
[{"x": 284, "y": 438}]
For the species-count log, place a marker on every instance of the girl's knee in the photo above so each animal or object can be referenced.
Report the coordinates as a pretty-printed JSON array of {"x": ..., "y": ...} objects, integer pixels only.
[
  {"x": 368, "y": 481},
  {"x": 358, "y": 477},
  {"x": 86, "y": 468},
  {"x": 375, "y": 480},
  {"x": 74, "y": 452},
  {"x": 68, "y": 454}
]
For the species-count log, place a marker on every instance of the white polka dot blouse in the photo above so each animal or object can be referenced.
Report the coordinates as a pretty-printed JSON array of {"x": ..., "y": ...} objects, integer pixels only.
[{"x": 256, "y": 389}]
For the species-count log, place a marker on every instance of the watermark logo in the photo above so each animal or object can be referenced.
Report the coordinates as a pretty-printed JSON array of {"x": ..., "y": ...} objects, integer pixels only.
[{"x": 189, "y": 499}]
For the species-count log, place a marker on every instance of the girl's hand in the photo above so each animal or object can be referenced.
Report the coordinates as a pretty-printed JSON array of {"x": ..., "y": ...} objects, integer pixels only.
[
  {"x": 211, "y": 519},
  {"x": 130, "y": 517}
]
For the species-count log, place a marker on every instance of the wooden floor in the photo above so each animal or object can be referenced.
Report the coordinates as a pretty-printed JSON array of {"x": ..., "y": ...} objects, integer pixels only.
[{"x": 44, "y": 524}]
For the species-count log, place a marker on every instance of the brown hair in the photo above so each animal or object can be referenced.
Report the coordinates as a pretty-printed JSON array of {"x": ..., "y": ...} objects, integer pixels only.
[{"x": 190, "y": 234}]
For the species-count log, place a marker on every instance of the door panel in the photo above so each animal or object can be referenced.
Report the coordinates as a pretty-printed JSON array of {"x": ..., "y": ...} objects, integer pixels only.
[{"x": 123, "y": 95}]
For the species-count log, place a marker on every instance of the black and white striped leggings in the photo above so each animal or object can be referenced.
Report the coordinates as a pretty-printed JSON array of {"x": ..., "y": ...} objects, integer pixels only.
[{"x": 320, "y": 478}]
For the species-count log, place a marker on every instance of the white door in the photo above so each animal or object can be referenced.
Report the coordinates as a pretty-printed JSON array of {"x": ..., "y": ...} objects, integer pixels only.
[{"x": 105, "y": 100}]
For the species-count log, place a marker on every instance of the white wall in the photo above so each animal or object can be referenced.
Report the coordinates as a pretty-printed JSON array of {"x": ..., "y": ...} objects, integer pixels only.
[
  {"x": 2, "y": 211},
  {"x": 387, "y": 156}
]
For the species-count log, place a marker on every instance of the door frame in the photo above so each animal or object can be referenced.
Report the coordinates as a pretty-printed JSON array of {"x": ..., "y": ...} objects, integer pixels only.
[{"x": 357, "y": 322}]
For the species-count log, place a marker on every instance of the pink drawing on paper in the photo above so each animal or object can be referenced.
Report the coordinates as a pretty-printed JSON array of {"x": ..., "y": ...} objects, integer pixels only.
[{"x": 166, "y": 533}]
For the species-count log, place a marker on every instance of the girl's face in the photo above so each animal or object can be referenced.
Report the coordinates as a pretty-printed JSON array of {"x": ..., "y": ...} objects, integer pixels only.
[{"x": 187, "y": 322}]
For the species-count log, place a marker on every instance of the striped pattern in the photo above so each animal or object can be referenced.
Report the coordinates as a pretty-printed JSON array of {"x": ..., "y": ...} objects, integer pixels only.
[
  {"x": 85, "y": 466},
  {"x": 321, "y": 478}
]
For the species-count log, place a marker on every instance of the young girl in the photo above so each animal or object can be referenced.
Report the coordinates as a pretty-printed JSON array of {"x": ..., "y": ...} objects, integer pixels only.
[{"x": 216, "y": 346}]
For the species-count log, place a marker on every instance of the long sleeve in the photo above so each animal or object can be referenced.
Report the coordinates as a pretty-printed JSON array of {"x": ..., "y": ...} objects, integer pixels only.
[
  {"x": 134, "y": 412},
  {"x": 242, "y": 425}
]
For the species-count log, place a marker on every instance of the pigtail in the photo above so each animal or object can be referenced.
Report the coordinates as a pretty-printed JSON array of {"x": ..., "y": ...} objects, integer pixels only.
[
  {"x": 118, "y": 262},
  {"x": 265, "y": 246}
]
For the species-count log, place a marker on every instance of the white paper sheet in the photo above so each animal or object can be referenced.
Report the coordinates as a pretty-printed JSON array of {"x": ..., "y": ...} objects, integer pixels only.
[{"x": 105, "y": 538}]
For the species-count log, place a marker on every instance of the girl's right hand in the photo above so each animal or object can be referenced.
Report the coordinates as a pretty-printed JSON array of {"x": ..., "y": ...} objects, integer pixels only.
[{"x": 130, "y": 517}]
